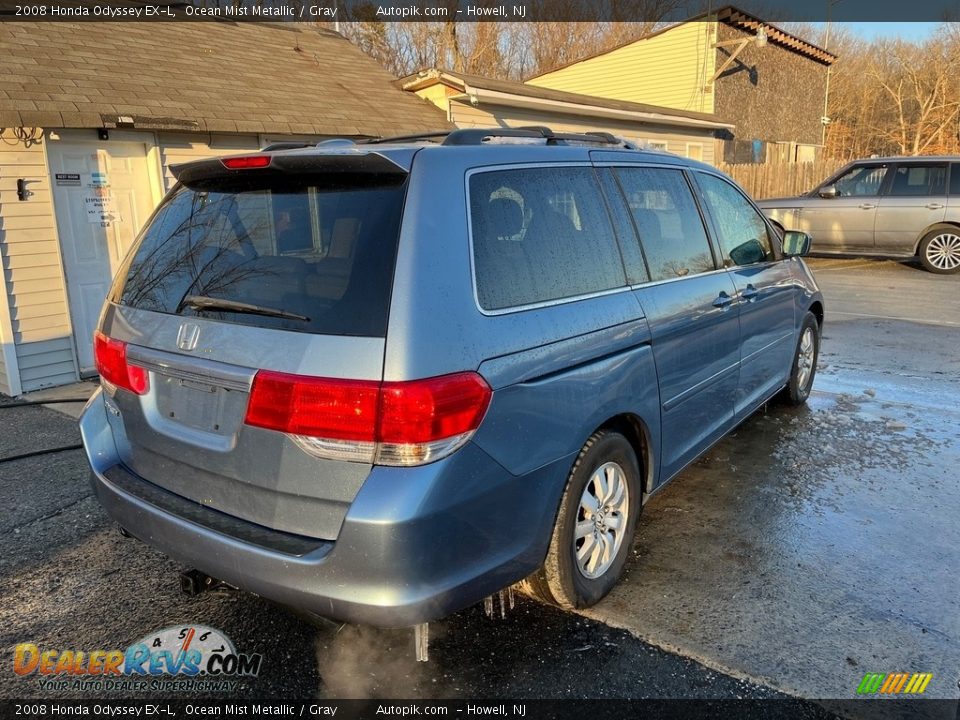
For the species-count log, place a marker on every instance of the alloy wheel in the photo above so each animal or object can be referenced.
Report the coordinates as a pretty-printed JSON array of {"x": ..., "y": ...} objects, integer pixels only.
[
  {"x": 943, "y": 251},
  {"x": 601, "y": 520}
]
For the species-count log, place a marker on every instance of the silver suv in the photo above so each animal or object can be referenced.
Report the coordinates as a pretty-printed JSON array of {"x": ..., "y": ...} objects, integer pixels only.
[
  {"x": 383, "y": 381},
  {"x": 892, "y": 207}
]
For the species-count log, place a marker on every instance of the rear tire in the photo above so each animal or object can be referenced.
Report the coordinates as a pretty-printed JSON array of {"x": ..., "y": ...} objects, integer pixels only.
[
  {"x": 804, "y": 367},
  {"x": 940, "y": 250},
  {"x": 595, "y": 527}
]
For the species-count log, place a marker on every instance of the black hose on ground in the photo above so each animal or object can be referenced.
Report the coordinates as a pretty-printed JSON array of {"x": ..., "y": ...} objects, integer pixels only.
[
  {"x": 28, "y": 403},
  {"x": 35, "y": 453}
]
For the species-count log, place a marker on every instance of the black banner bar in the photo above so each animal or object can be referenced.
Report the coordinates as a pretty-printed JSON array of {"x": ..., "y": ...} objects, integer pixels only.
[
  {"x": 471, "y": 710},
  {"x": 467, "y": 10}
]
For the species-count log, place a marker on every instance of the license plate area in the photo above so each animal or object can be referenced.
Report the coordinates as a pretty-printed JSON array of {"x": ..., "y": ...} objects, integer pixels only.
[
  {"x": 196, "y": 400},
  {"x": 196, "y": 405}
]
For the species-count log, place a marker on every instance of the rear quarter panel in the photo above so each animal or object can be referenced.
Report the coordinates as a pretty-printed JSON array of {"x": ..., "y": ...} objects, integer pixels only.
[{"x": 558, "y": 372}]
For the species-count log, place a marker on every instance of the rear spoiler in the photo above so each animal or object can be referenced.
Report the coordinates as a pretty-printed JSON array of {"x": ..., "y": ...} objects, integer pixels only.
[{"x": 266, "y": 165}]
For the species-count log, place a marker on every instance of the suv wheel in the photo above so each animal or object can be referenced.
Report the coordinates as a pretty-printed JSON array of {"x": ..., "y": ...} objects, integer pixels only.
[
  {"x": 940, "y": 250},
  {"x": 594, "y": 530},
  {"x": 804, "y": 366}
]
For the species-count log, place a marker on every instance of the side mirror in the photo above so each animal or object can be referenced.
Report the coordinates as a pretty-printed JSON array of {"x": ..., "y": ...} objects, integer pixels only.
[
  {"x": 829, "y": 191},
  {"x": 795, "y": 243}
]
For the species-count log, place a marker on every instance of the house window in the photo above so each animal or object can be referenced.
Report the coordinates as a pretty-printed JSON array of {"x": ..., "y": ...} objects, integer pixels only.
[
  {"x": 695, "y": 151},
  {"x": 656, "y": 145}
]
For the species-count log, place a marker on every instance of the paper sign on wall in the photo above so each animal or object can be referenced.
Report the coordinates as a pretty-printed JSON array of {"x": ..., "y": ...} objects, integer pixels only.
[{"x": 101, "y": 206}]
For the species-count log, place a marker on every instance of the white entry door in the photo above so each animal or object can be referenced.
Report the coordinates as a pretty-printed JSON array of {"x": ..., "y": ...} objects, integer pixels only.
[{"x": 102, "y": 195}]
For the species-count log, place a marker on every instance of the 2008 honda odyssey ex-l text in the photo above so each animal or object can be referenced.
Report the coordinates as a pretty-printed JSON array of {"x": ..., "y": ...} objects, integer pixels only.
[{"x": 382, "y": 381}]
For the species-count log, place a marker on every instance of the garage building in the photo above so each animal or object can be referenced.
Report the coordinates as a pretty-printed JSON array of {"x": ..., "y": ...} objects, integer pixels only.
[
  {"x": 92, "y": 116},
  {"x": 474, "y": 101}
]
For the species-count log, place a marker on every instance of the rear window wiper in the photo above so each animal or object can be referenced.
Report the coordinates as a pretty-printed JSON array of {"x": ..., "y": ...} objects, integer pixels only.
[{"x": 202, "y": 302}]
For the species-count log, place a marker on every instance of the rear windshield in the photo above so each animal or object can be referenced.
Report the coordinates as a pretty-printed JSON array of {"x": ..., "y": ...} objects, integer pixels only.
[{"x": 310, "y": 253}]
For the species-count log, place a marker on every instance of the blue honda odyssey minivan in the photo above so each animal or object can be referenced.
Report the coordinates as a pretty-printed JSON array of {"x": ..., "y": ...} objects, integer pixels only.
[{"x": 382, "y": 381}]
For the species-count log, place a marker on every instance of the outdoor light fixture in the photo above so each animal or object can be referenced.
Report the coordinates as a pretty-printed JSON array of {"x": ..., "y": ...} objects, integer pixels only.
[
  {"x": 103, "y": 134},
  {"x": 22, "y": 192}
]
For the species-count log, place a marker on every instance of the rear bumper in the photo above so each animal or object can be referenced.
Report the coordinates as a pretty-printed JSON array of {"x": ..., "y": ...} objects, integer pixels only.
[{"x": 416, "y": 545}]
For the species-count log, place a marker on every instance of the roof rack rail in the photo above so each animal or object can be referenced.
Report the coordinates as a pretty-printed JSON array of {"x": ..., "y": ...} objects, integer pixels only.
[
  {"x": 471, "y": 136},
  {"x": 405, "y": 138},
  {"x": 289, "y": 145},
  {"x": 476, "y": 136}
]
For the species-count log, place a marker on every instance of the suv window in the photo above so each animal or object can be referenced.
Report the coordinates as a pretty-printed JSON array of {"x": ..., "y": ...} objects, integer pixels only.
[
  {"x": 919, "y": 180},
  {"x": 955, "y": 179},
  {"x": 668, "y": 222},
  {"x": 741, "y": 231},
  {"x": 319, "y": 249},
  {"x": 541, "y": 234},
  {"x": 861, "y": 181}
]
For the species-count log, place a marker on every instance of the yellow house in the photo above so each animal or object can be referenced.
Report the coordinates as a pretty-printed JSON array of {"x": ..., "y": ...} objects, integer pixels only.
[
  {"x": 771, "y": 85},
  {"x": 474, "y": 101}
]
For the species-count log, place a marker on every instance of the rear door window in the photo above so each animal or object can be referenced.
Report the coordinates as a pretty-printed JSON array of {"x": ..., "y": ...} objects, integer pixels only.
[
  {"x": 919, "y": 180},
  {"x": 668, "y": 222},
  {"x": 541, "y": 234},
  {"x": 314, "y": 254}
]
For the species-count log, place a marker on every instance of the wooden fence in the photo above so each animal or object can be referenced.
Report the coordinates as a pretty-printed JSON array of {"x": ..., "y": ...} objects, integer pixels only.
[{"x": 766, "y": 180}]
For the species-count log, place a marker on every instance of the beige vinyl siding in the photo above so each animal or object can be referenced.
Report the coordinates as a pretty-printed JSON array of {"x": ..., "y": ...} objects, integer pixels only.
[
  {"x": 179, "y": 148},
  {"x": 671, "y": 69},
  {"x": 465, "y": 115},
  {"x": 437, "y": 94},
  {"x": 47, "y": 363},
  {"x": 34, "y": 285}
]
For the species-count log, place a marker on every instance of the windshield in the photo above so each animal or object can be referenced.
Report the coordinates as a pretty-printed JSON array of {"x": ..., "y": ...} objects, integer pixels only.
[{"x": 316, "y": 252}]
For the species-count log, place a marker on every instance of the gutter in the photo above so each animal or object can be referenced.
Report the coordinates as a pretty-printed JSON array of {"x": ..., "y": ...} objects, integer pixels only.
[{"x": 475, "y": 96}]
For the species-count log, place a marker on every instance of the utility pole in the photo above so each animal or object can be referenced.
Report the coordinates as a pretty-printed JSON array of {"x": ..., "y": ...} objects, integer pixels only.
[{"x": 826, "y": 92}]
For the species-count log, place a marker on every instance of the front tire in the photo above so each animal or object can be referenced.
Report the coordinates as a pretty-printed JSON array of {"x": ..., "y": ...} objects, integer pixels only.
[
  {"x": 594, "y": 529},
  {"x": 940, "y": 250},
  {"x": 804, "y": 367}
]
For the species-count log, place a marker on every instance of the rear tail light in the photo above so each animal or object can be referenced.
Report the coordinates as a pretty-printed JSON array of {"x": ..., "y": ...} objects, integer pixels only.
[
  {"x": 387, "y": 423},
  {"x": 247, "y": 162},
  {"x": 111, "y": 359}
]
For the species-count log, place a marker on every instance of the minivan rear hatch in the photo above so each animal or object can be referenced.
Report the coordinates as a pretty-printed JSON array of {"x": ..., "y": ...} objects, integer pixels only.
[{"x": 254, "y": 272}]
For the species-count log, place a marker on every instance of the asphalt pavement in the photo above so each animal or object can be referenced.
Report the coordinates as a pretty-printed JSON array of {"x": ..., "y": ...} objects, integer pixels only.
[{"x": 808, "y": 548}]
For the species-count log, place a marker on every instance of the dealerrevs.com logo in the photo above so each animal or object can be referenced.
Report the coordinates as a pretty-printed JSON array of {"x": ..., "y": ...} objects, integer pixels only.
[{"x": 183, "y": 657}]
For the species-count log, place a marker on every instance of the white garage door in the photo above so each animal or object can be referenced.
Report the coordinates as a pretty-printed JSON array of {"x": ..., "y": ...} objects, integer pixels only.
[{"x": 102, "y": 195}]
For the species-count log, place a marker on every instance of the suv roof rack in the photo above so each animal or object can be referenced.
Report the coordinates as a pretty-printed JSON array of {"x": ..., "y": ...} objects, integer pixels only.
[
  {"x": 476, "y": 136},
  {"x": 473, "y": 136},
  {"x": 288, "y": 145}
]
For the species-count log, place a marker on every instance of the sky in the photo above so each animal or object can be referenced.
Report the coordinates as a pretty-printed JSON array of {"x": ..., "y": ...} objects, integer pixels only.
[{"x": 905, "y": 30}]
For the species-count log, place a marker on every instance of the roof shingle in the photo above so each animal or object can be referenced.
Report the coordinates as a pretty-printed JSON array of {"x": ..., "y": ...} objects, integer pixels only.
[{"x": 211, "y": 76}]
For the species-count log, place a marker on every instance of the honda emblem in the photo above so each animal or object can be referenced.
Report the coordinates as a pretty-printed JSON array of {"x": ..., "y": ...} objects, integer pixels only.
[{"x": 188, "y": 336}]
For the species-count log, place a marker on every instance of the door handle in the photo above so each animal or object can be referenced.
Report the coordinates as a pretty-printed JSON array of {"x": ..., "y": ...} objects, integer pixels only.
[
  {"x": 749, "y": 293},
  {"x": 866, "y": 206},
  {"x": 723, "y": 300},
  {"x": 934, "y": 206}
]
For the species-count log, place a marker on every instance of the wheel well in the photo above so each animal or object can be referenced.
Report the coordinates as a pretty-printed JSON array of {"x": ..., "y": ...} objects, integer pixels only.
[
  {"x": 931, "y": 228},
  {"x": 817, "y": 310},
  {"x": 635, "y": 431}
]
